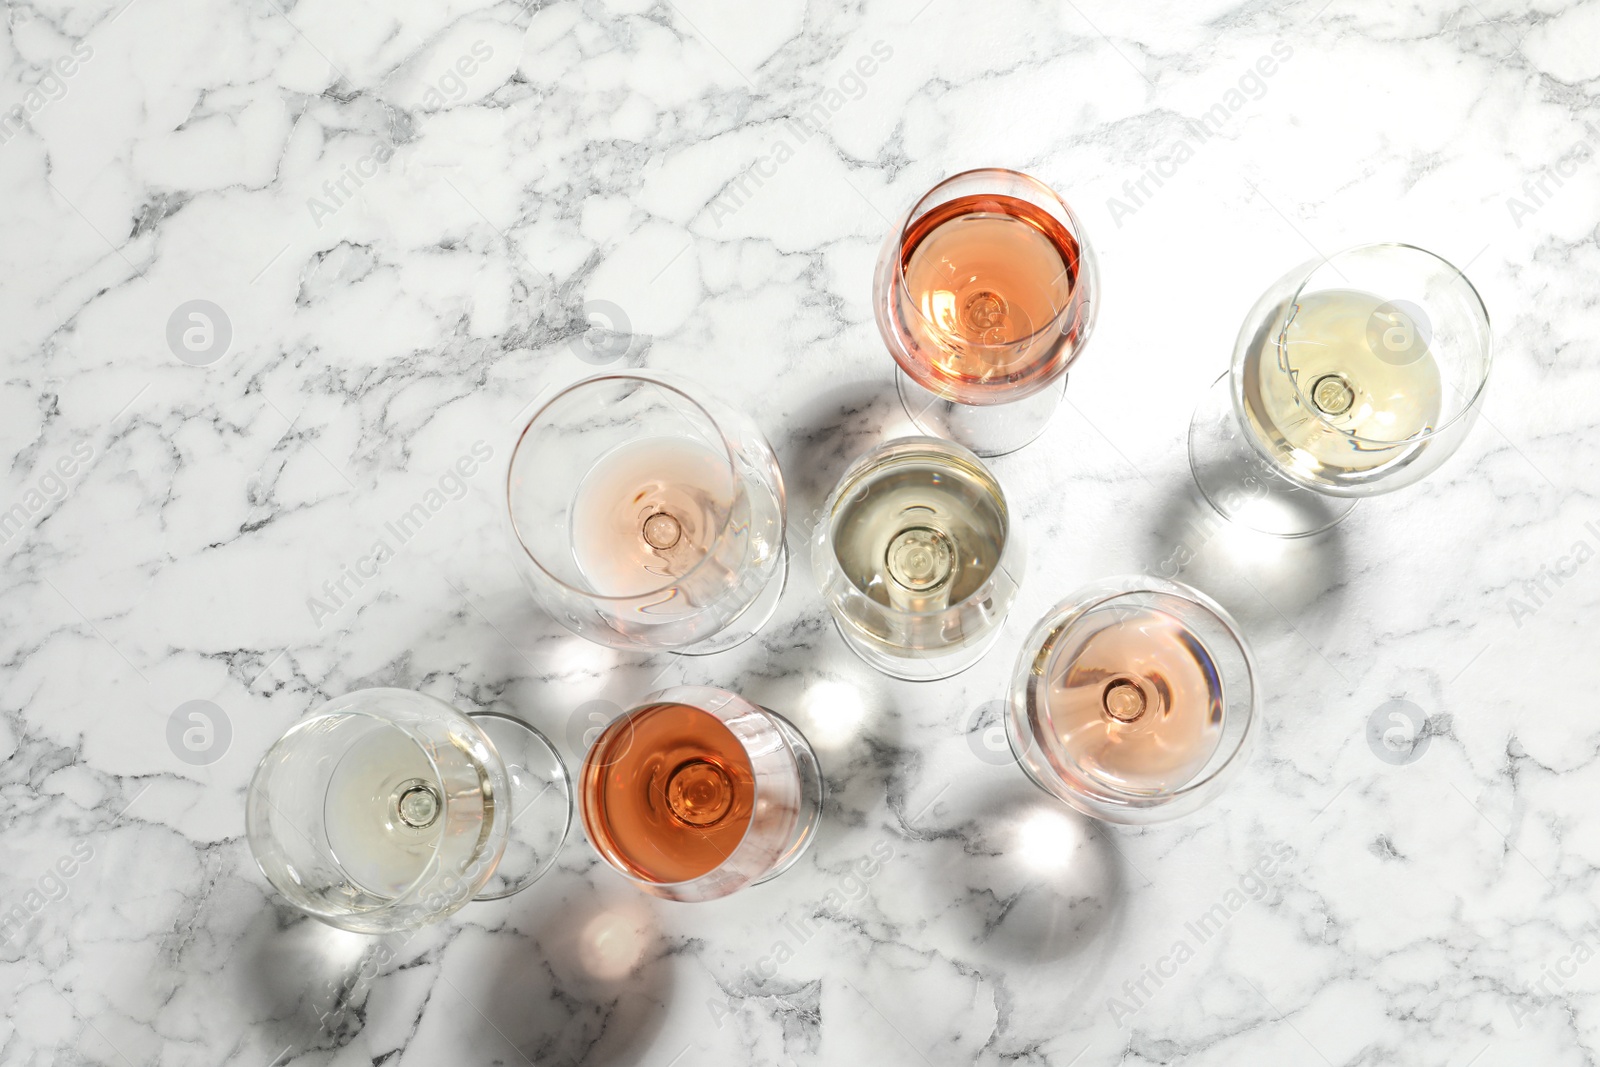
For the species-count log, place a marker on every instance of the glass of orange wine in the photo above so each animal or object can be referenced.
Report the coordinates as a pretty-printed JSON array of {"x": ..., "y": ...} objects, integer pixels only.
[
  {"x": 697, "y": 793},
  {"x": 985, "y": 295}
]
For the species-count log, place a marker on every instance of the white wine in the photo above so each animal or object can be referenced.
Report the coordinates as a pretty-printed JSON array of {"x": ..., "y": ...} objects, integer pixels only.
[
  {"x": 648, "y": 512},
  {"x": 920, "y": 531},
  {"x": 1127, "y": 697},
  {"x": 1348, "y": 384},
  {"x": 385, "y": 811}
]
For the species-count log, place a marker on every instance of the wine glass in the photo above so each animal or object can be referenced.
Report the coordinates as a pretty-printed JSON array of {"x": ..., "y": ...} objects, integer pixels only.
[
  {"x": 1133, "y": 700},
  {"x": 386, "y": 809},
  {"x": 918, "y": 558},
  {"x": 1351, "y": 376},
  {"x": 647, "y": 515},
  {"x": 697, "y": 793},
  {"x": 985, "y": 294}
]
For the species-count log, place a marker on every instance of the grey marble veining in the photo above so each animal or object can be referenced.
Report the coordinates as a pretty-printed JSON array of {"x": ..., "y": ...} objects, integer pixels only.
[{"x": 404, "y": 219}]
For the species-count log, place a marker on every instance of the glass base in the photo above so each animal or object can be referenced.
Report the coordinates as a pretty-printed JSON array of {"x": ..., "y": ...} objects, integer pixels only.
[
  {"x": 540, "y": 801},
  {"x": 1243, "y": 486},
  {"x": 811, "y": 793},
  {"x": 929, "y": 666},
  {"x": 989, "y": 430},
  {"x": 748, "y": 622}
]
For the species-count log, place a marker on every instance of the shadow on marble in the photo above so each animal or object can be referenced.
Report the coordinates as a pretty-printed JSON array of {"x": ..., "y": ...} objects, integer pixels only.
[
  {"x": 585, "y": 977},
  {"x": 1255, "y": 576},
  {"x": 1044, "y": 883},
  {"x": 829, "y": 430},
  {"x": 307, "y": 982},
  {"x": 583, "y": 980}
]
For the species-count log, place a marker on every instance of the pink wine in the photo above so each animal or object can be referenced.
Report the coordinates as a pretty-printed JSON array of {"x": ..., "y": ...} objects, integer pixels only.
[
  {"x": 1127, "y": 697},
  {"x": 648, "y": 512},
  {"x": 667, "y": 793},
  {"x": 987, "y": 277}
]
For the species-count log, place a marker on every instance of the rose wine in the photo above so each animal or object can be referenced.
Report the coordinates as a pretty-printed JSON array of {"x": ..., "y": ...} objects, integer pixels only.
[
  {"x": 668, "y": 793},
  {"x": 1351, "y": 381},
  {"x": 648, "y": 512},
  {"x": 920, "y": 531},
  {"x": 1127, "y": 697},
  {"x": 986, "y": 278}
]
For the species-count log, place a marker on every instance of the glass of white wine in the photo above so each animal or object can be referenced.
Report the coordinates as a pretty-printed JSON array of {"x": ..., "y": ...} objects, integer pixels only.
[
  {"x": 1133, "y": 700},
  {"x": 386, "y": 809},
  {"x": 918, "y": 557},
  {"x": 1352, "y": 376},
  {"x": 646, "y": 514}
]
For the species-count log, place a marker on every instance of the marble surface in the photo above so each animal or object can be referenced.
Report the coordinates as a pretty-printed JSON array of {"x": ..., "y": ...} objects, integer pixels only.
[{"x": 402, "y": 218}]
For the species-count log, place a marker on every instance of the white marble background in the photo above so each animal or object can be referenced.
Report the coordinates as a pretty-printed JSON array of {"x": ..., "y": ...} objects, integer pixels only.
[{"x": 1441, "y": 912}]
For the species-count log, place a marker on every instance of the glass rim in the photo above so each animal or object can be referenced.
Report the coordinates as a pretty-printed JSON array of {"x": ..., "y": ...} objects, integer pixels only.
[
  {"x": 1471, "y": 402},
  {"x": 563, "y": 774},
  {"x": 325, "y": 711},
  {"x": 916, "y": 212},
  {"x": 661, "y": 381},
  {"x": 831, "y": 505},
  {"x": 1087, "y": 598},
  {"x": 658, "y": 698}
]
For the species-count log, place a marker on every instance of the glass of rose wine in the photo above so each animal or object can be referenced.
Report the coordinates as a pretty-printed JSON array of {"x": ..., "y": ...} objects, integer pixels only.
[
  {"x": 386, "y": 809},
  {"x": 697, "y": 793},
  {"x": 1133, "y": 700},
  {"x": 918, "y": 558},
  {"x": 985, "y": 294},
  {"x": 1352, "y": 376},
  {"x": 648, "y": 515}
]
